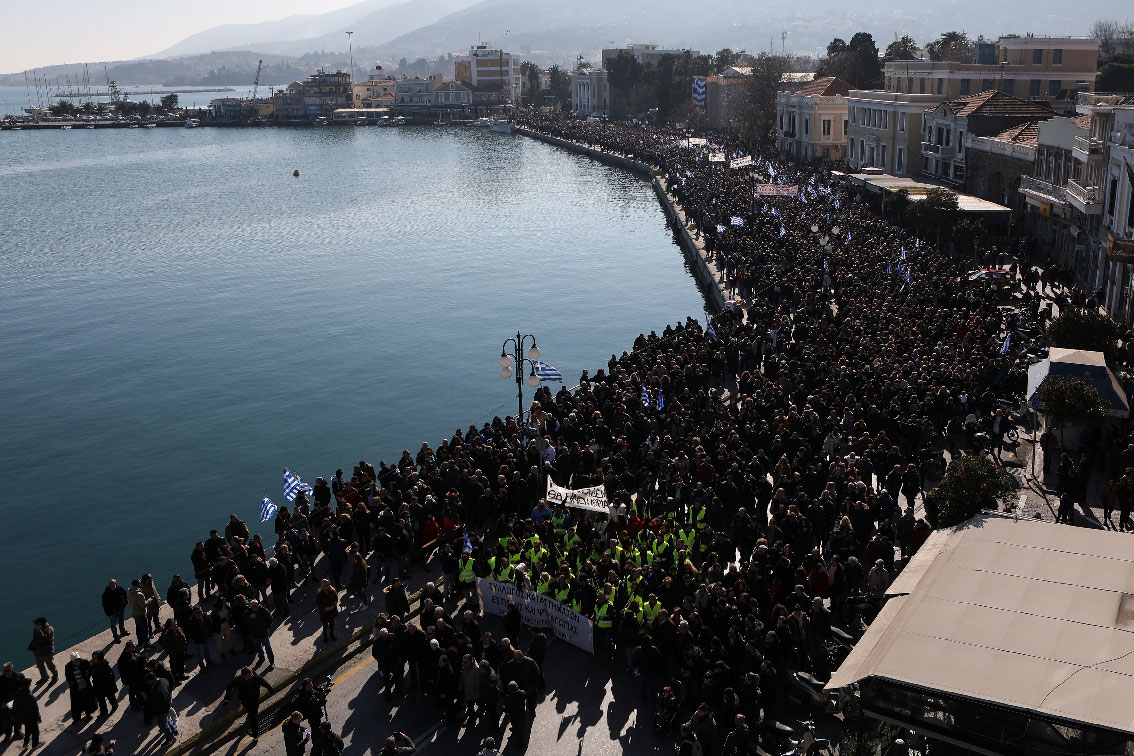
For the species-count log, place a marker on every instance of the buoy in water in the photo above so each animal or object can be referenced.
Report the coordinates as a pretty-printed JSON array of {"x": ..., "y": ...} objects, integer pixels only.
[{"x": 295, "y": 173}]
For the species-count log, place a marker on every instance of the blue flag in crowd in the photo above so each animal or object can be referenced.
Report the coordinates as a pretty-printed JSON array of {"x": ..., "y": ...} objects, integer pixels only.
[
  {"x": 720, "y": 229},
  {"x": 889, "y": 268},
  {"x": 468, "y": 543},
  {"x": 736, "y": 220},
  {"x": 907, "y": 275},
  {"x": 783, "y": 231},
  {"x": 1007, "y": 343},
  {"x": 848, "y": 237},
  {"x": 825, "y": 268},
  {"x": 546, "y": 372},
  {"x": 711, "y": 332},
  {"x": 267, "y": 510},
  {"x": 645, "y": 397},
  {"x": 293, "y": 484},
  {"x": 903, "y": 253},
  {"x": 661, "y": 400}
]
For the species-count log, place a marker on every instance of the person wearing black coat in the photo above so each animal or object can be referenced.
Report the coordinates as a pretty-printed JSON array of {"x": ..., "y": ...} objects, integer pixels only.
[
  {"x": 516, "y": 707},
  {"x": 247, "y": 686},
  {"x": 77, "y": 672},
  {"x": 309, "y": 701},
  {"x": 294, "y": 735},
  {"x": 397, "y": 602},
  {"x": 513, "y": 622},
  {"x": 25, "y": 712},
  {"x": 159, "y": 706},
  {"x": 387, "y": 652},
  {"x": 131, "y": 671},
  {"x": 105, "y": 686},
  {"x": 11, "y": 682},
  {"x": 523, "y": 671},
  {"x": 114, "y": 603},
  {"x": 445, "y": 687}
]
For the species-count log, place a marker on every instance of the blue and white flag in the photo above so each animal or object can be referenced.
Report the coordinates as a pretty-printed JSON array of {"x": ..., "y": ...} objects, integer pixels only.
[
  {"x": 903, "y": 257},
  {"x": 546, "y": 372},
  {"x": 267, "y": 510},
  {"x": 889, "y": 268},
  {"x": 907, "y": 275},
  {"x": 848, "y": 237},
  {"x": 467, "y": 542},
  {"x": 645, "y": 397},
  {"x": 783, "y": 231},
  {"x": 1007, "y": 343},
  {"x": 661, "y": 400},
  {"x": 699, "y": 91},
  {"x": 711, "y": 332},
  {"x": 293, "y": 484},
  {"x": 736, "y": 220},
  {"x": 720, "y": 229}
]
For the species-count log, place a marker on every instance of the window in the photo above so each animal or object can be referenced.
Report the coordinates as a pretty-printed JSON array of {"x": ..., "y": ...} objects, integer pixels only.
[
  {"x": 922, "y": 84},
  {"x": 853, "y": 115},
  {"x": 909, "y": 84},
  {"x": 960, "y": 142},
  {"x": 806, "y": 126},
  {"x": 901, "y": 165},
  {"x": 948, "y": 137},
  {"x": 1112, "y": 197},
  {"x": 940, "y": 84},
  {"x": 901, "y": 122},
  {"x": 1037, "y": 57},
  {"x": 1009, "y": 86},
  {"x": 882, "y": 159},
  {"x": 1057, "y": 57},
  {"x": 826, "y": 127},
  {"x": 966, "y": 87},
  {"x": 844, "y": 127},
  {"x": 1053, "y": 88},
  {"x": 885, "y": 119},
  {"x": 1034, "y": 88},
  {"x": 850, "y": 149}
]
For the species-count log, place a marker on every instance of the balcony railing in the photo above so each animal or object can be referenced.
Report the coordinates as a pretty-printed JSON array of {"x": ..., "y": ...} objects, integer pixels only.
[
  {"x": 1044, "y": 189},
  {"x": 930, "y": 148},
  {"x": 1088, "y": 195},
  {"x": 1089, "y": 146},
  {"x": 947, "y": 150}
]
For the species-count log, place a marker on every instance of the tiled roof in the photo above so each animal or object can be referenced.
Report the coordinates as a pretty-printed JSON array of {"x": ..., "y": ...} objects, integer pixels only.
[
  {"x": 1083, "y": 121},
  {"x": 994, "y": 103},
  {"x": 1027, "y": 134},
  {"x": 826, "y": 87}
]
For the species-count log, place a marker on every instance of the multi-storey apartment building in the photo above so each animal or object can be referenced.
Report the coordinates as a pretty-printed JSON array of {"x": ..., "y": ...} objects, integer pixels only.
[
  {"x": 486, "y": 68},
  {"x": 811, "y": 122}
]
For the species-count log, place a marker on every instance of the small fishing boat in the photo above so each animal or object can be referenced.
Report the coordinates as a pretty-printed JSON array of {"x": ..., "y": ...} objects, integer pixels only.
[
  {"x": 482, "y": 123},
  {"x": 502, "y": 126}
]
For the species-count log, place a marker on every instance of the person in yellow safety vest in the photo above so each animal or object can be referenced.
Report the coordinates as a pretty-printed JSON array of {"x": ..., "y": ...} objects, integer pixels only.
[
  {"x": 543, "y": 586},
  {"x": 536, "y": 553},
  {"x": 561, "y": 591},
  {"x": 616, "y": 550},
  {"x": 559, "y": 521},
  {"x": 688, "y": 536},
  {"x": 643, "y": 557},
  {"x": 697, "y": 514},
  {"x": 467, "y": 575},
  {"x": 576, "y": 605},
  {"x": 503, "y": 541},
  {"x": 650, "y": 610},
  {"x": 515, "y": 557},
  {"x": 570, "y": 539},
  {"x": 505, "y": 573}
]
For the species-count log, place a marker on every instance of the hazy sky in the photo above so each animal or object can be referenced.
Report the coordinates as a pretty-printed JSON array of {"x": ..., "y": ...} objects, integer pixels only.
[{"x": 42, "y": 32}]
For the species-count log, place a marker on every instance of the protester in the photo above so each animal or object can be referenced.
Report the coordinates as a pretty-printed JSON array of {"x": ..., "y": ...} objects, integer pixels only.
[
  {"x": 42, "y": 647},
  {"x": 114, "y": 603},
  {"x": 246, "y": 685}
]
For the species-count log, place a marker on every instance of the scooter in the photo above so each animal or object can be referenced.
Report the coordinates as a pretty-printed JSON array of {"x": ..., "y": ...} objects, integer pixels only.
[
  {"x": 809, "y": 744},
  {"x": 804, "y": 689}
]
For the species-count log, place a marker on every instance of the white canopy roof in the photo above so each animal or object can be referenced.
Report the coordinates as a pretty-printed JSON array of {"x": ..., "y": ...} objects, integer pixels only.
[
  {"x": 1079, "y": 363},
  {"x": 1019, "y": 613}
]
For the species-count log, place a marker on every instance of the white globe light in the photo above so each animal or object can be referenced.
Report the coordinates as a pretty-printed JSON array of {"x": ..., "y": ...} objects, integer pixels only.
[
  {"x": 533, "y": 380},
  {"x": 814, "y": 229},
  {"x": 505, "y": 372},
  {"x": 824, "y": 239},
  {"x": 835, "y": 230},
  {"x": 534, "y": 352},
  {"x": 505, "y": 360}
]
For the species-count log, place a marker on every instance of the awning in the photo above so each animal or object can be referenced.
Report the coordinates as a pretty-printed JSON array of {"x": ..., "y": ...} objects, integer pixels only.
[{"x": 1079, "y": 363}]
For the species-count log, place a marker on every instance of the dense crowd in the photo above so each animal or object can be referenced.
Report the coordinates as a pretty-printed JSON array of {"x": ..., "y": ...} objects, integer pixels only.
[{"x": 772, "y": 497}]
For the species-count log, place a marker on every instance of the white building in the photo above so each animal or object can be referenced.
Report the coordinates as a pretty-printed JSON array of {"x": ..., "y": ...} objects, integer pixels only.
[
  {"x": 811, "y": 122},
  {"x": 487, "y": 67},
  {"x": 884, "y": 130},
  {"x": 590, "y": 92}
]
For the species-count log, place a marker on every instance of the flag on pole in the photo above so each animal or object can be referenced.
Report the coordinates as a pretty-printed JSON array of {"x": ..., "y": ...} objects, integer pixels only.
[
  {"x": 467, "y": 542},
  {"x": 661, "y": 400},
  {"x": 645, "y": 397},
  {"x": 720, "y": 229},
  {"x": 903, "y": 253},
  {"x": 907, "y": 275},
  {"x": 848, "y": 237},
  {"x": 825, "y": 268},
  {"x": 736, "y": 220},
  {"x": 711, "y": 332},
  {"x": 889, "y": 268},
  {"x": 546, "y": 372},
  {"x": 1007, "y": 343},
  {"x": 783, "y": 231},
  {"x": 267, "y": 510},
  {"x": 293, "y": 484}
]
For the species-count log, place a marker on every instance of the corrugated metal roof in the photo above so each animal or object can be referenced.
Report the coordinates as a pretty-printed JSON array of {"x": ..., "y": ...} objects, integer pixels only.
[{"x": 1014, "y": 612}]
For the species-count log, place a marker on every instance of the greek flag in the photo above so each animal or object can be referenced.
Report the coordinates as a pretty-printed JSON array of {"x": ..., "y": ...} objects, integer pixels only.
[
  {"x": 907, "y": 275},
  {"x": 699, "y": 91},
  {"x": 848, "y": 237},
  {"x": 467, "y": 542},
  {"x": 267, "y": 510},
  {"x": 825, "y": 268},
  {"x": 783, "y": 231},
  {"x": 546, "y": 372},
  {"x": 720, "y": 229},
  {"x": 645, "y": 397},
  {"x": 736, "y": 220},
  {"x": 711, "y": 332},
  {"x": 293, "y": 484},
  {"x": 661, "y": 400},
  {"x": 1007, "y": 343},
  {"x": 889, "y": 268},
  {"x": 903, "y": 252}
]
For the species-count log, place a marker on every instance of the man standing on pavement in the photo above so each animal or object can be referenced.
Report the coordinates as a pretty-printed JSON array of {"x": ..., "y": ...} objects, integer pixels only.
[
  {"x": 516, "y": 707},
  {"x": 469, "y": 684},
  {"x": 294, "y": 735},
  {"x": 42, "y": 647},
  {"x": 159, "y": 705},
  {"x": 523, "y": 671},
  {"x": 10, "y": 683},
  {"x": 137, "y": 601},
  {"x": 391, "y": 663},
  {"x": 114, "y": 603},
  {"x": 260, "y": 628},
  {"x": 247, "y": 686}
]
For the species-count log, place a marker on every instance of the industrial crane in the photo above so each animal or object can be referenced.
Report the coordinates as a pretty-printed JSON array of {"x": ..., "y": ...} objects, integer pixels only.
[{"x": 256, "y": 83}]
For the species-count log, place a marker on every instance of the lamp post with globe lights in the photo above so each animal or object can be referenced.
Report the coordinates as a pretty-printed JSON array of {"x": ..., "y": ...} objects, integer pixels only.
[{"x": 516, "y": 345}]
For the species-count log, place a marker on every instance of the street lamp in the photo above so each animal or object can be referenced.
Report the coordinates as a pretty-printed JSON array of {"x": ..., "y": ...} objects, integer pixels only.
[{"x": 516, "y": 345}]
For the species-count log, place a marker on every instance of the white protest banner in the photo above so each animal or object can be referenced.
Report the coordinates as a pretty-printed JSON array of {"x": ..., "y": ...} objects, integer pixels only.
[
  {"x": 717, "y": 157},
  {"x": 538, "y": 611},
  {"x": 697, "y": 141},
  {"x": 592, "y": 499},
  {"x": 777, "y": 189},
  {"x": 740, "y": 162}
]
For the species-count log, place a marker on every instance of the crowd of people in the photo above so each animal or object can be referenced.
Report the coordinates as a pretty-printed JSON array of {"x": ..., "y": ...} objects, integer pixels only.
[{"x": 772, "y": 495}]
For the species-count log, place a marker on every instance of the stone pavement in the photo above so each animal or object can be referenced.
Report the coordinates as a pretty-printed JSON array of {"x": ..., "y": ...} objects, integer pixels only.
[{"x": 204, "y": 718}]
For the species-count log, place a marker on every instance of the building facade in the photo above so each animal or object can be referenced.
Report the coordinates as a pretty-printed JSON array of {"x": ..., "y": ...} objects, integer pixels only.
[
  {"x": 1051, "y": 220},
  {"x": 647, "y": 55},
  {"x": 811, "y": 122},
  {"x": 884, "y": 130},
  {"x": 486, "y": 67},
  {"x": 945, "y": 127},
  {"x": 590, "y": 92},
  {"x": 726, "y": 96},
  {"x": 451, "y": 94},
  {"x": 996, "y": 165},
  {"x": 414, "y": 93},
  {"x": 376, "y": 87},
  {"x": 1116, "y": 234}
]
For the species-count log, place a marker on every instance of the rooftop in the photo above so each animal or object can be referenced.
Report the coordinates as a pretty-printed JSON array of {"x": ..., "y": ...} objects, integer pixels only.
[
  {"x": 996, "y": 104},
  {"x": 1018, "y": 613},
  {"x": 1027, "y": 134},
  {"x": 826, "y": 87}
]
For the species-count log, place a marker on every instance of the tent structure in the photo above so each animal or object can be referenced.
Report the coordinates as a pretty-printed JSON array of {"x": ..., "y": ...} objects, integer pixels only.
[
  {"x": 1079, "y": 363},
  {"x": 1007, "y": 637}
]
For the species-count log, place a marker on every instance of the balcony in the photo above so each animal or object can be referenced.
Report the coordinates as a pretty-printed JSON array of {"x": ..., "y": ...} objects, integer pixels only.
[
  {"x": 1041, "y": 190},
  {"x": 1086, "y": 148},
  {"x": 947, "y": 150},
  {"x": 929, "y": 148},
  {"x": 1085, "y": 199}
]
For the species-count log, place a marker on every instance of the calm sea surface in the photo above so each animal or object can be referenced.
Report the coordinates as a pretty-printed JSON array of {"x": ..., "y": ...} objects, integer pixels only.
[{"x": 180, "y": 318}]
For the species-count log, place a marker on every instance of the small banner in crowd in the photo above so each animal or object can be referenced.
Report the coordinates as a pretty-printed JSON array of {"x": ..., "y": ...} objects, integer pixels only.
[
  {"x": 697, "y": 141},
  {"x": 777, "y": 189},
  {"x": 716, "y": 157},
  {"x": 740, "y": 162},
  {"x": 592, "y": 499},
  {"x": 538, "y": 611}
]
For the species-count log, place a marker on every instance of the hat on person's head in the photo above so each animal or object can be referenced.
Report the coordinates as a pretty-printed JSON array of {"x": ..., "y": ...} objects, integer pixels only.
[
  {"x": 74, "y": 655},
  {"x": 879, "y": 563}
]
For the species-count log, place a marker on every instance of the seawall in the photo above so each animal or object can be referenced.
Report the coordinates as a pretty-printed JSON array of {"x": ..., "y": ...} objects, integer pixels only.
[{"x": 712, "y": 280}]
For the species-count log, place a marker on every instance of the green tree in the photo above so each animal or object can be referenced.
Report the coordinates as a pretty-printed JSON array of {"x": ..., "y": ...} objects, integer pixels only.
[
  {"x": 560, "y": 86},
  {"x": 1066, "y": 401},
  {"x": 169, "y": 102},
  {"x": 901, "y": 49},
  {"x": 530, "y": 72},
  {"x": 758, "y": 116},
  {"x": 896, "y": 204},
  {"x": 954, "y": 46},
  {"x": 1116, "y": 74},
  {"x": 966, "y": 231},
  {"x": 62, "y": 108},
  {"x": 1084, "y": 329},
  {"x": 972, "y": 483},
  {"x": 855, "y": 62},
  {"x": 935, "y": 213},
  {"x": 724, "y": 58}
]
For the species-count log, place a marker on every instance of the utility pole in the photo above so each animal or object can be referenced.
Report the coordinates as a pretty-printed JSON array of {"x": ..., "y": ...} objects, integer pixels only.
[
  {"x": 350, "y": 48},
  {"x": 783, "y": 42}
]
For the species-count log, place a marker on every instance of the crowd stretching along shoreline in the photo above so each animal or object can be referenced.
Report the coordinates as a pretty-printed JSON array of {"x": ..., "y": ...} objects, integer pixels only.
[{"x": 744, "y": 525}]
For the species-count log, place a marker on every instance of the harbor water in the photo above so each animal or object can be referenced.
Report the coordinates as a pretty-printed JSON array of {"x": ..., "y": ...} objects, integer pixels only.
[{"x": 181, "y": 318}]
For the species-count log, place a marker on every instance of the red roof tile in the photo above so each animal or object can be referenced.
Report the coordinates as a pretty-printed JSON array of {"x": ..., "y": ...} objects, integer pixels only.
[
  {"x": 1027, "y": 134},
  {"x": 994, "y": 103},
  {"x": 826, "y": 87}
]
